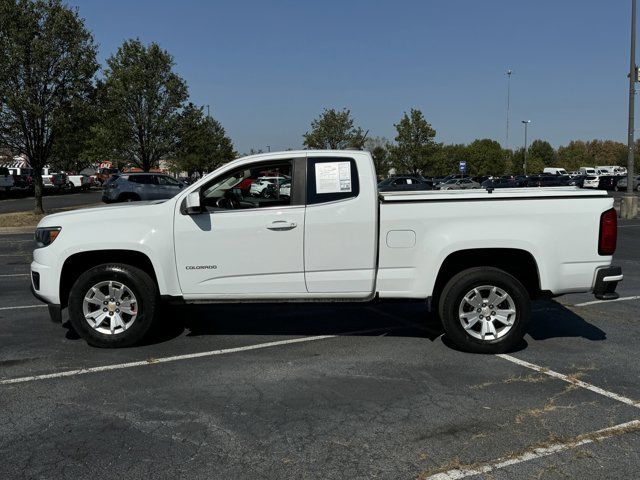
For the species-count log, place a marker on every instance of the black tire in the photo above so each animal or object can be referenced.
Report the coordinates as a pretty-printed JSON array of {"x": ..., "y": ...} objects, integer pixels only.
[
  {"x": 142, "y": 286},
  {"x": 453, "y": 294}
]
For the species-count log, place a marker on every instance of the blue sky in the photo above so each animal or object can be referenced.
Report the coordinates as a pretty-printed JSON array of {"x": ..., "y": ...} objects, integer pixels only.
[{"x": 267, "y": 68}]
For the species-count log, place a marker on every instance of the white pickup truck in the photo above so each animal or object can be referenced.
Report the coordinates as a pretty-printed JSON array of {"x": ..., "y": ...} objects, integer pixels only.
[{"x": 476, "y": 257}]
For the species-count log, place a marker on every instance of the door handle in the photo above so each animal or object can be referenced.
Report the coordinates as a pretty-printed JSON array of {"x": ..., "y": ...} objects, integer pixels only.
[{"x": 282, "y": 225}]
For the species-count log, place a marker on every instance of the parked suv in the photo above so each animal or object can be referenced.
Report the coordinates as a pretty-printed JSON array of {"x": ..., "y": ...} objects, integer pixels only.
[{"x": 132, "y": 187}]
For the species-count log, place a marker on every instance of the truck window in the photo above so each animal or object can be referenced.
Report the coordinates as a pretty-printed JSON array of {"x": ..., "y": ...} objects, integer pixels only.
[
  {"x": 330, "y": 179},
  {"x": 258, "y": 185}
]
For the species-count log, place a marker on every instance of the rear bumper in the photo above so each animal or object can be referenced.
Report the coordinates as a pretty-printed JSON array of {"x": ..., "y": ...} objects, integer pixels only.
[{"x": 607, "y": 279}]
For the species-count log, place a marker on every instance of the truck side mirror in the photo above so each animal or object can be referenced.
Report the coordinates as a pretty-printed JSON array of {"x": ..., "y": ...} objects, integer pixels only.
[{"x": 193, "y": 206}]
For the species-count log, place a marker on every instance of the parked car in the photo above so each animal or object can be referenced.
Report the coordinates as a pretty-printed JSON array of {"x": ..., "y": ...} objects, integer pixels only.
[
  {"x": 104, "y": 174},
  {"x": 340, "y": 242},
  {"x": 499, "y": 183},
  {"x": 56, "y": 181},
  {"x": 285, "y": 190},
  {"x": 6, "y": 180},
  {"x": 266, "y": 186},
  {"x": 611, "y": 170},
  {"x": 591, "y": 181},
  {"x": 22, "y": 178},
  {"x": 608, "y": 182},
  {"x": 459, "y": 184},
  {"x": 131, "y": 187},
  {"x": 543, "y": 181},
  {"x": 622, "y": 184},
  {"x": 404, "y": 183},
  {"x": 588, "y": 171},
  {"x": 576, "y": 180},
  {"x": 554, "y": 171},
  {"x": 80, "y": 182}
]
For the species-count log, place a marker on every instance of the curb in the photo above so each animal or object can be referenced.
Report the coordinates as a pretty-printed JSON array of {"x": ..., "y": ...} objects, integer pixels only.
[{"x": 17, "y": 230}]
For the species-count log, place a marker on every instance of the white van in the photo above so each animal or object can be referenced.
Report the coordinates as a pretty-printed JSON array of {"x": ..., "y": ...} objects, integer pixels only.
[
  {"x": 588, "y": 171},
  {"x": 611, "y": 170},
  {"x": 555, "y": 171}
]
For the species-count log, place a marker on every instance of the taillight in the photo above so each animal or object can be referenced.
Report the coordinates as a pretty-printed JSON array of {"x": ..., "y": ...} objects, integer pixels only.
[{"x": 608, "y": 232}]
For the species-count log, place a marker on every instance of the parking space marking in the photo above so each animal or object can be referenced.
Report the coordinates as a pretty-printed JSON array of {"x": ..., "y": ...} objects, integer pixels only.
[
  {"x": 573, "y": 381},
  {"x": 15, "y": 275},
  {"x": 20, "y": 307},
  {"x": 539, "y": 452},
  {"x": 153, "y": 361},
  {"x": 187, "y": 356},
  {"x": 621, "y": 299}
]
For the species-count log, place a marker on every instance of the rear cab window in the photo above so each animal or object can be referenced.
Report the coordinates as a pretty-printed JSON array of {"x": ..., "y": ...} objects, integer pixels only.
[{"x": 331, "y": 179}]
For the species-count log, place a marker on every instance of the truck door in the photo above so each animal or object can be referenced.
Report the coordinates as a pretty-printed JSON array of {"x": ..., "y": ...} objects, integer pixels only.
[
  {"x": 244, "y": 244},
  {"x": 340, "y": 236}
]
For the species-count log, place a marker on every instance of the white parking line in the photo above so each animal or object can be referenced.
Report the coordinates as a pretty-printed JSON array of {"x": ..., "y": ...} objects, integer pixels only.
[
  {"x": 621, "y": 299},
  {"x": 573, "y": 381},
  {"x": 15, "y": 275},
  {"x": 22, "y": 306},
  {"x": 152, "y": 361},
  {"x": 539, "y": 452}
]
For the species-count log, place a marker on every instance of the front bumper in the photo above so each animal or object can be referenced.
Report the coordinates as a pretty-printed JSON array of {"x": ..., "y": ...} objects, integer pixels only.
[
  {"x": 44, "y": 286},
  {"x": 55, "y": 309},
  {"x": 607, "y": 279}
]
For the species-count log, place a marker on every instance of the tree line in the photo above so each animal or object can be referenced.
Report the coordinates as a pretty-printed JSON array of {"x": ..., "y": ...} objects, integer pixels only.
[
  {"x": 58, "y": 107},
  {"x": 415, "y": 150}
]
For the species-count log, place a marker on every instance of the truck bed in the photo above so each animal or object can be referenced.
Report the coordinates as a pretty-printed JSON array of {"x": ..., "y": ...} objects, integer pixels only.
[{"x": 496, "y": 194}]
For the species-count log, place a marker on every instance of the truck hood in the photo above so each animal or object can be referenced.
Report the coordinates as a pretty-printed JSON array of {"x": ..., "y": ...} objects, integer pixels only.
[{"x": 106, "y": 212}]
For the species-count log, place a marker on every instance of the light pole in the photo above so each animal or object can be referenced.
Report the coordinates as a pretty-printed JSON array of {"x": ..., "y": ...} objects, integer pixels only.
[
  {"x": 629, "y": 205},
  {"x": 268, "y": 148},
  {"x": 509, "y": 72},
  {"x": 524, "y": 165}
]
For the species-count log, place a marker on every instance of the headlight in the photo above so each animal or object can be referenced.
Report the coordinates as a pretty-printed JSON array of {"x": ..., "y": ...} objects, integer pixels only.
[{"x": 46, "y": 235}]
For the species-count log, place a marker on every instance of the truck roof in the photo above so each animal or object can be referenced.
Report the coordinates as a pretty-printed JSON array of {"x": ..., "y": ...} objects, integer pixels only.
[{"x": 483, "y": 194}]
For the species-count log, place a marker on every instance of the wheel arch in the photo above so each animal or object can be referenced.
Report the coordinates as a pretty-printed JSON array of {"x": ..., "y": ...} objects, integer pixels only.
[
  {"x": 517, "y": 262},
  {"x": 79, "y": 263}
]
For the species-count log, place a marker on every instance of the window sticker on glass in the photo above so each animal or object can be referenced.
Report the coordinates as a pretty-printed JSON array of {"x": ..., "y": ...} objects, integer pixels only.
[{"x": 333, "y": 177}]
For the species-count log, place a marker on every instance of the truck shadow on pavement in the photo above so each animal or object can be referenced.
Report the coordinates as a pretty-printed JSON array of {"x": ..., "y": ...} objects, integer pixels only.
[{"x": 550, "y": 319}]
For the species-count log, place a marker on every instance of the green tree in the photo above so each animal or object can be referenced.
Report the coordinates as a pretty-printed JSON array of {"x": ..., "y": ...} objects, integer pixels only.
[
  {"x": 543, "y": 152},
  {"x": 574, "y": 155},
  {"x": 70, "y": 150},
  {"x": 607, "y": 152},
  {"x": 379, "y": 149},
  {"x": 334, "y": 129},
  {"x": 446, "y": 160},
  {"x": 140, "y": 100},
  {"x": 415, "y": 145},
  {"x": 202, "y": 143},
  {"x": 47, "y": 64},
  {"x": 485, "y": 157}
]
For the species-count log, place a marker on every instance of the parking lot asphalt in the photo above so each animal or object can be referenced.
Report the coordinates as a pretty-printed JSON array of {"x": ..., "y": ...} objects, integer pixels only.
[
  {"x": 50, "y": 201},
  {"x": 321, "y": 391}
]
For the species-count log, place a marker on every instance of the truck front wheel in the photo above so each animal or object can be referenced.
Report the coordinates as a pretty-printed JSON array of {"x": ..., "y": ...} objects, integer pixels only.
[
  {"x": 484, "y": 310},
  {"x": 113, "y": 305}
]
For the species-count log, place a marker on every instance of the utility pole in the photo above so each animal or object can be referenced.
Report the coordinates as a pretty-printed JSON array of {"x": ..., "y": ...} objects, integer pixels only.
[
  {"x": 268, "y": 148},
  {"x": 524, "y": 165},
  {"x": 509, "y": 72},
  {"x": 208, "y": 114},
  {"x": 629, "y": 204}
]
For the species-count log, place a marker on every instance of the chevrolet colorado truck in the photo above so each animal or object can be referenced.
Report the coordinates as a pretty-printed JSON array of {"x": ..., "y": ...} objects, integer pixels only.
[{"x": 476, "y": 257}]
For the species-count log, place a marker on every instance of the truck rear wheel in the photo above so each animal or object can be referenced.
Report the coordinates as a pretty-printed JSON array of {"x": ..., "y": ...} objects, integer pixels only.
[
  {"x": 484, "y": 310},
  {"x": 113, "y": 305}
]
